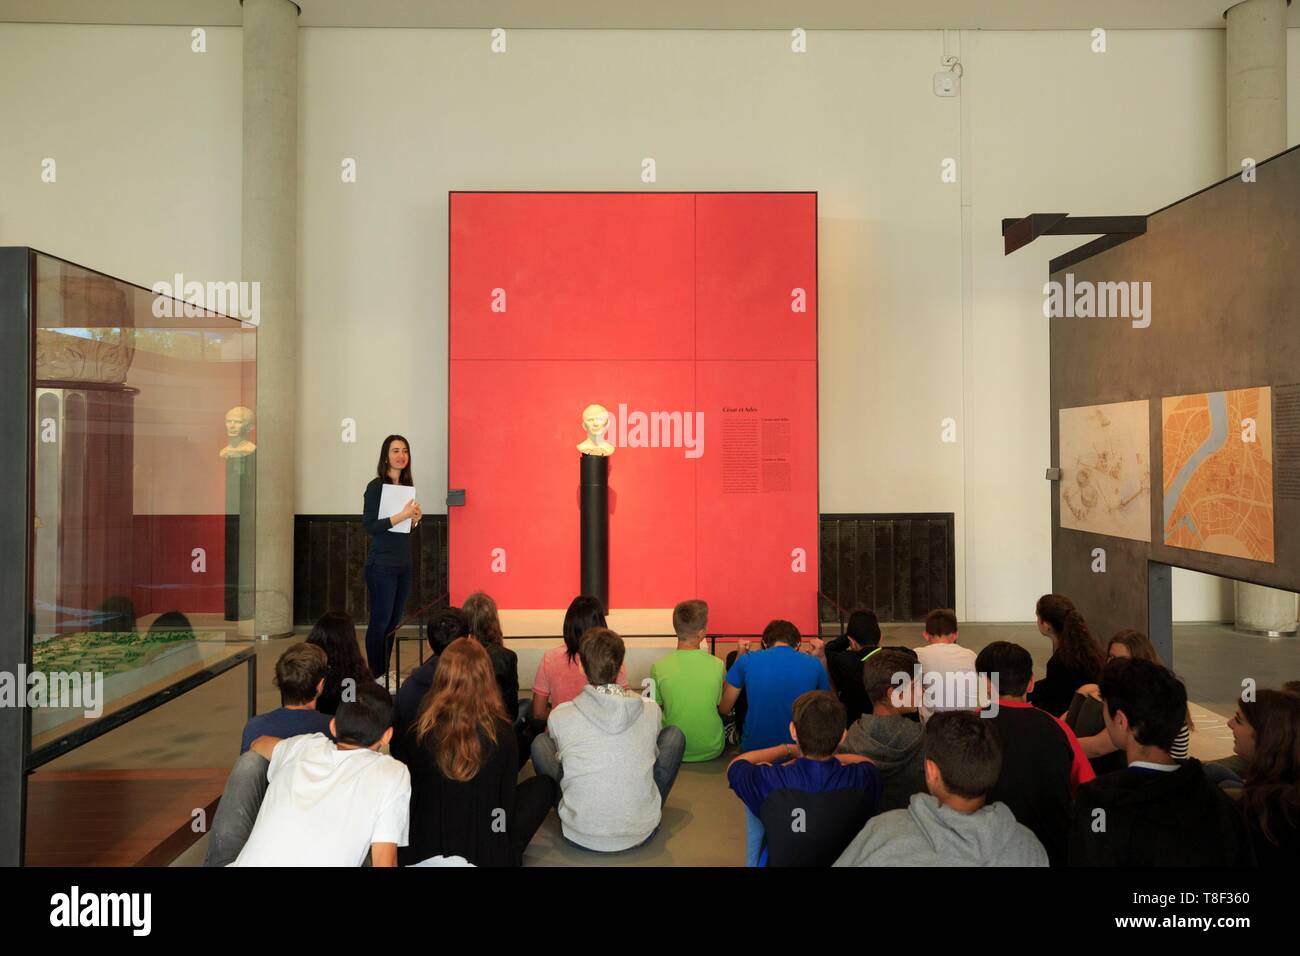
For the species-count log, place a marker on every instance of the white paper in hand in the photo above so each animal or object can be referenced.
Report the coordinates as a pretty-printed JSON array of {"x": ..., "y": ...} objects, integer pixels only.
[{"x": 392, "y": 499}]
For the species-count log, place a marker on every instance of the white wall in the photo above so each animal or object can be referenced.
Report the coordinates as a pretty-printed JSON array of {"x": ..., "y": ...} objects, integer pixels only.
[
  {"x": 149, "y": 135},
  {"x": 1202, "y": 597},
  {"x": 146, "y": 137},
  {"x": 1056, "y": 127}
]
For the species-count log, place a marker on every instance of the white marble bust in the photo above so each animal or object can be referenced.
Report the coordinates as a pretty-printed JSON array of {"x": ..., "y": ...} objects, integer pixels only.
[
  {"x": 595, "y": 419},
  {"x": 239, "y": 423}
]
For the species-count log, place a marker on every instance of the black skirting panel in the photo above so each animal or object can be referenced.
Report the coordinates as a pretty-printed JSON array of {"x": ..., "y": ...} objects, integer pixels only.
[
  {"x": 329, "y": 553},
  {"x": 902, "y": 566}
]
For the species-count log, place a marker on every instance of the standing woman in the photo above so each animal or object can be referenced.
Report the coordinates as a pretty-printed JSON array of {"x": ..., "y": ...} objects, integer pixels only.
[{"x": 388, "y": 567}]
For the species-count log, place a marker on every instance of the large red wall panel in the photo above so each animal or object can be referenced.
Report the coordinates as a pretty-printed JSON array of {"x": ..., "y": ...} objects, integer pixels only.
[
  {"x": 513, "y": 429},
  {"x": 585, "y": 276},
  {"x": 699, "y": 309}
]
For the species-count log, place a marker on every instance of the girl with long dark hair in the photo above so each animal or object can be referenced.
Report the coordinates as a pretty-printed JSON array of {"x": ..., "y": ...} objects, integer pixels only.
[
  {"x": 1085, "y": 717},
  {"x": 1076, "y": 659},
  {"x": 388, "y": 569},
  {"x": 336, "y": 634},
  {"x": 461, "y": 752},
  {"x": 1266, "y": 733},
  {"x": 560, "y": 676},
  {"x": 485, "y": 627}
]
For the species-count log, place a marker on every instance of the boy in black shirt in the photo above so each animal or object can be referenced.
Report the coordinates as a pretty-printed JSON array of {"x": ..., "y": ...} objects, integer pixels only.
[
  {"x": 845, "y": 657},
  {"x": 1042, "y": 762},
  {"x": 1157, "y": 811}
]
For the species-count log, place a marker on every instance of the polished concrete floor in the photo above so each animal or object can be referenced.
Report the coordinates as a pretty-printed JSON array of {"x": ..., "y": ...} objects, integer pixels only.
[{"x": 703, "y": 824}]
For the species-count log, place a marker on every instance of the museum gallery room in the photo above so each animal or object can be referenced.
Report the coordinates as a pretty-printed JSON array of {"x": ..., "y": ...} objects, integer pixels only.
[{"x": 688, "y": 434}]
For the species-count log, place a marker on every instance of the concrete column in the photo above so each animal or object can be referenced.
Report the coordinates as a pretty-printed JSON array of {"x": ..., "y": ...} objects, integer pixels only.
[
  {"x": 1256, "y": 99},
  {"x": 270, "y": 257},
  {"x": 1261, "y": 610},
  {"x": 1256, "y": 81}
]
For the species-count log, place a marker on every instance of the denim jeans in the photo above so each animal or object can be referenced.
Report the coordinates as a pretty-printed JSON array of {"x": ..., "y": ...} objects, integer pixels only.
[
  {"x": 671, "y": 746},
  {"x": 754, "y": 835},
  {"x": 237, "y": 811},
  {"x": 389, "y": 588}
]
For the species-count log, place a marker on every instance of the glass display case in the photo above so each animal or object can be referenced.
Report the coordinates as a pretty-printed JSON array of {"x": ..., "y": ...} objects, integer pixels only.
[{"x": 140, "y": 416}]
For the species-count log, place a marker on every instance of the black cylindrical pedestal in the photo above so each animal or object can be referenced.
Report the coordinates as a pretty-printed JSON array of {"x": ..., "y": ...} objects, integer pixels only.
[{"x": 595, "y": 528}]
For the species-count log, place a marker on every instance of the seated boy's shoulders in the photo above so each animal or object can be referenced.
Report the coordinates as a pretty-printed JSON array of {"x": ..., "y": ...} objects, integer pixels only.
[
  {"x": 1025, "y": 848},
  {"x": 862, "y": 772},
  {"x": 742, "y": 664},
  {"x": 894, "y": 822},
  {"x": 745, "y": 777},
  {"x": 299, "y": 747},
  {"x": 888, "y": 834},
  {"x": 254, "y": 725},
  {"x": 386, "y": 773},
  {"x": 564, "y": 711},
  {"x": 1104, "y": 790},
  {"x": 811, "y": 663},
  {"x": 260, "y": 721},
  {"x": 927, "y": 659},
  {"x": 398, "y": 772},
  {"x": 562, "y": 715}
]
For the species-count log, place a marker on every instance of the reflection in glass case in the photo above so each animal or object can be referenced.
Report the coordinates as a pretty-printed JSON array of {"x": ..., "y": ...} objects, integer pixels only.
[{"x": 143, "y": 486}]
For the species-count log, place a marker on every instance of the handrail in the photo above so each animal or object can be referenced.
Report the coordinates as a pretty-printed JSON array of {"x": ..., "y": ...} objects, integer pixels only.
[
  {"x": 843, "y": 614},
  {"x": 419, "y": 612}
]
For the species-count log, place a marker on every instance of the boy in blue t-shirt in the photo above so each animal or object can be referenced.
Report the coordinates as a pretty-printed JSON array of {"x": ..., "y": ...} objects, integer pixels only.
[
  {"x": 300, "y": 675},
  {"x": 811, "y": 801},
  {"x": 772, "y": 680}
]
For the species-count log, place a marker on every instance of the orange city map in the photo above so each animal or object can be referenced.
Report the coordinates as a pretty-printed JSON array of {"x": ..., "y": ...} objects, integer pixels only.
[{"x": 1218, "y": 472}]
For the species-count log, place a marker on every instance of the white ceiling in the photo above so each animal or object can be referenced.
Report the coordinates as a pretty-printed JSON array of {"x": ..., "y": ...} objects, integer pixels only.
[{"x": 662, "y": 14}]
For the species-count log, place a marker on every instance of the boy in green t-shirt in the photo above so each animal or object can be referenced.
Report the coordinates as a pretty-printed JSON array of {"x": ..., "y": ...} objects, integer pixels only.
[{"x": 688, "y": 684}]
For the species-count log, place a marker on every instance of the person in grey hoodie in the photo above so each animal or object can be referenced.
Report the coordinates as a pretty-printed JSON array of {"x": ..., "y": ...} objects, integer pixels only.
[
  {"x": 889, "y": 738},
  {"x": 606, "y": 750},
  {"x": 951, "y": 825}
]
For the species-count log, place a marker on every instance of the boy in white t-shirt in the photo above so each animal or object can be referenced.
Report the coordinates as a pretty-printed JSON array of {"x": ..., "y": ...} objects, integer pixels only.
[
  {"x": 327, "y": 803},
  {"x": 948, "y": 680}
]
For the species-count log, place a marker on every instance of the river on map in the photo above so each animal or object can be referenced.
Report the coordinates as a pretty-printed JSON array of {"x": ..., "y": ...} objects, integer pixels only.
[{"x": 1218, "y": 403}]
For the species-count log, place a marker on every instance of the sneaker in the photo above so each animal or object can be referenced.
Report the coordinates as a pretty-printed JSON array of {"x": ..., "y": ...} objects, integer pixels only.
[{"x": 730, "y": 732}]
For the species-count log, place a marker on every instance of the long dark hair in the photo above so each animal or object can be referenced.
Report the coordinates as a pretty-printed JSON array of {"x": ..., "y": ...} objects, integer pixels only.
[
  {"x": 484, "y": 622},
  {"x": 583, "y": 614},
  {"x": 461, "y": 709},
  {"x": 336, "y": 634},
  {"x": 1140, "y": 648},
  {"x": 382, "y": 470},
  {"x": 1075, "y": 646},
  {"x": 1271, "y": 794}
]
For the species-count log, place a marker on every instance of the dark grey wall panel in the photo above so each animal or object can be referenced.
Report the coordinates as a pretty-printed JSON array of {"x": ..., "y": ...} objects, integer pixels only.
[
  {"x": 901, "y": 565},
  {"x": 16, "y": 437},
  {"x": 1225, "y": 296},
  {"x": 329, "y": 559}
]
